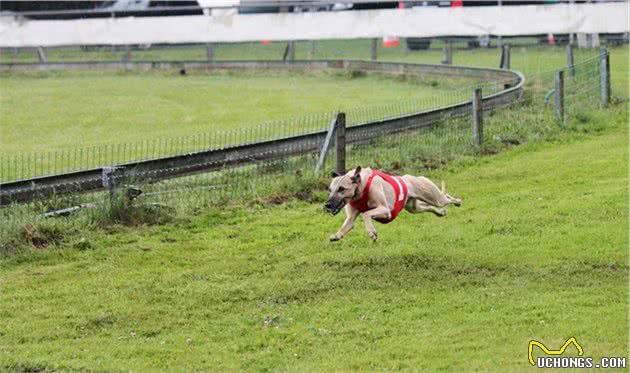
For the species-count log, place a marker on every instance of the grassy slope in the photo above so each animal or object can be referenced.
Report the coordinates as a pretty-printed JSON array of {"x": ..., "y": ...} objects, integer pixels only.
[
  {"x": 539, "y": 250},
  {"x": 39, "y": 111}
]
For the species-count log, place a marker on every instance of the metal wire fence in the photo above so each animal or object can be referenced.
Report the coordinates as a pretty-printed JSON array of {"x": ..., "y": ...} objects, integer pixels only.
[
  {"x": 276, "y": 178},
  {"x": 22, "y": 166},
  {"x": 527, "y": 61},
  {"x": 35, "y": 164}
]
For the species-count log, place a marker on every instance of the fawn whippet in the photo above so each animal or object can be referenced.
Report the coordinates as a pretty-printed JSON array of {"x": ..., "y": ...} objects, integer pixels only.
[{"x": 382, "y": 197}]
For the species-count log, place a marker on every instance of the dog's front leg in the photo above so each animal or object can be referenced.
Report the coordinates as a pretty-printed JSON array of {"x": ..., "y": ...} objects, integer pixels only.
[
  {"x": 377, "y": 212},
  {"x": 351, "y": 216}
]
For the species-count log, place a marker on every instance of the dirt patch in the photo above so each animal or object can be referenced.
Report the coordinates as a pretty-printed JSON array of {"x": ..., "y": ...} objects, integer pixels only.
[
  {"x": 40, "y": 236},
  {"x": 405, "y": 261},
  {"x": 306, "y": 196},
  {"x": 278, "y": 199},
  {"x": 482, "y": 270},
  {"x": 27, "y": 368},
  {"x": 431, "y": 163},
  {"x": 608, "y": 267},
  {"x": 271, "y": 321},
  {"x": 100, "y": 321}
]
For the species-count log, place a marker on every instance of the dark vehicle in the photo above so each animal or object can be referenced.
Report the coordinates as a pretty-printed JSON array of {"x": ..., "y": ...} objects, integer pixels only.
[
  {"x": 278, "y": 6},
  {"x": 99, "y": 9}
]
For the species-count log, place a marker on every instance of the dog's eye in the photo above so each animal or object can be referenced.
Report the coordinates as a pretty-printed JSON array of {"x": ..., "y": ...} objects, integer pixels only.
[{"x": 341, "y": 189}]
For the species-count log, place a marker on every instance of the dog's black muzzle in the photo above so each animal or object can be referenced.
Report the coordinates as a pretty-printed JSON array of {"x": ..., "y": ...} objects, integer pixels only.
[{"x": 333, "y": 206}]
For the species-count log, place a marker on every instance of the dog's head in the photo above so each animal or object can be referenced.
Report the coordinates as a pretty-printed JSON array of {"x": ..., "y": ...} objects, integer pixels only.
[{"x": 343, "y": 188}]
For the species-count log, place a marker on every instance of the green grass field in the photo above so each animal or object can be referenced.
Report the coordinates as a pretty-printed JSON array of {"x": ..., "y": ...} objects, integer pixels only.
[
  {"x": 538, "y": 251},
  {"x": 44, "y": 112},
  {"x": 37, "y": 111}
]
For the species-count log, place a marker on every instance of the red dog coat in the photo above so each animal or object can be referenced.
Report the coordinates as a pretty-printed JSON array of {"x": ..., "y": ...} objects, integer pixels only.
[{"x": 400, "y": 188}]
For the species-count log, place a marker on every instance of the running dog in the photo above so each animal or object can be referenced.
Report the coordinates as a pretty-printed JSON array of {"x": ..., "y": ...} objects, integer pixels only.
[{"x": 381, "y": 197}]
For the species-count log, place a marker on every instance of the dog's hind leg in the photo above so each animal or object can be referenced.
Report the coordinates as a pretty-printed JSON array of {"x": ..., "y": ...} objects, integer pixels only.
[
  {"x": 454, "y": 200},
  {"x": 416, "y": 206},
  {"x": 425, "y": 190}
]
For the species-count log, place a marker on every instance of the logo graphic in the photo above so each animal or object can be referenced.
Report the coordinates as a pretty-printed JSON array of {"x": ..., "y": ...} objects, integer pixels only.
[{"x": 547, "y": 351}]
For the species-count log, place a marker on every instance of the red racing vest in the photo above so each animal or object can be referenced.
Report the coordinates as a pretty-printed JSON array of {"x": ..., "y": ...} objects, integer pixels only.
[{"x": 400, "y": 189}]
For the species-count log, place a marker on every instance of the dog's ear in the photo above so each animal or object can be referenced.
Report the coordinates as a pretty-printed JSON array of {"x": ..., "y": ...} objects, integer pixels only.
[
  {"x": 356, "y": 178},
  {"x": 335, "y": 174}
]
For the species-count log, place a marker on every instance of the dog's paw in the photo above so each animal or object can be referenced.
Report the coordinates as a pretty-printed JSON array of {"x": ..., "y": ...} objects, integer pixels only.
[
  {"x": 373, "y": 236},
  {"x": 440, "y": 213},
  {"x": 334, "y": 237}
]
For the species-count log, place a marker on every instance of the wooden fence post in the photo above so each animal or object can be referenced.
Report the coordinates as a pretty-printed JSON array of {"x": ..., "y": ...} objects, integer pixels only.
[
  {"x": 289, "y": 52},
  {"x": 570, "y": 61},
  {"x": 127, "y": 54},
  {"x": 604, "y": 77},
  {"x": 209, "y": 51},
  {"x": 608, "y": 86},
  {"x": 340, "y": 143},
  {"x": 41, "y": 56},
  {"x": 109, "y": 182},
  {"x": 559, "y": 96},
  {"x": 326, "y": 146},
  {"x": 505, "y": 57},
  {"x": 292, "y": 50},
  {"x": 373, "y": 49},
  {"x": 477, "y": 114},
  {"x": 311, "y": 49},
  {"x": 448, "y": 54}
]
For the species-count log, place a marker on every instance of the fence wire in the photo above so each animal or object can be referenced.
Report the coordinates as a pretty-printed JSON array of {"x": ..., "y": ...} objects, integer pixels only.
[
  {"x": 35, "y": 164},
  {"x": 412, "y": 150}
]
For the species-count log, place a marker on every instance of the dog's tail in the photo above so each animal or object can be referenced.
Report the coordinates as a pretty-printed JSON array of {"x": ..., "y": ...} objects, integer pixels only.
[{"x": 443, "y": 187}]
